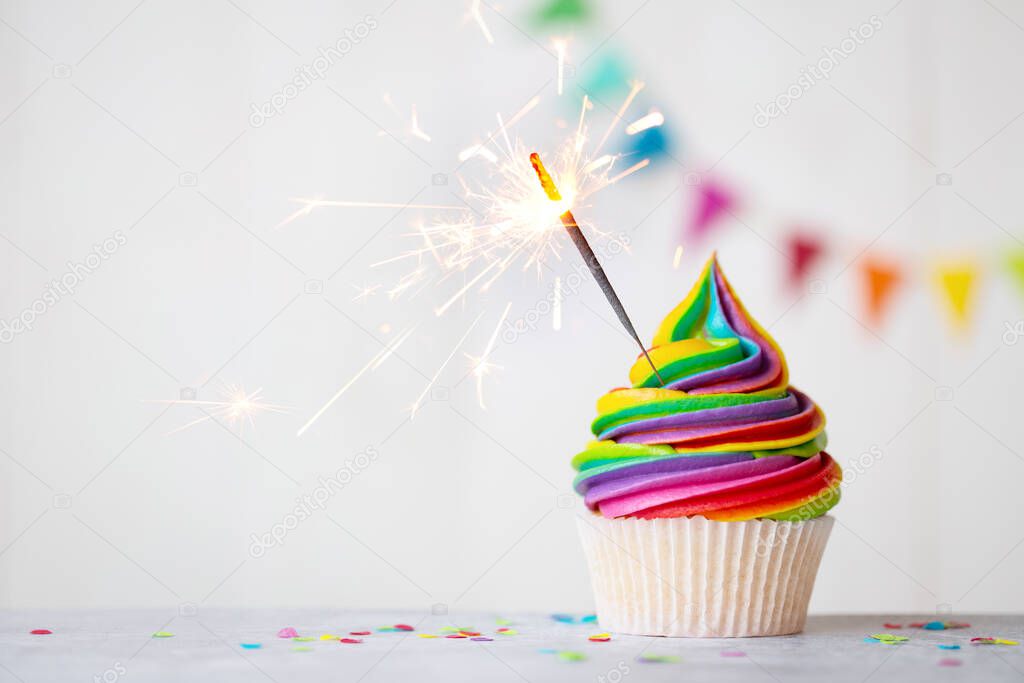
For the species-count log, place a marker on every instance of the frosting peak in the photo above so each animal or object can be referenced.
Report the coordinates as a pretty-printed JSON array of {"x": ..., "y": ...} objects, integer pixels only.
[{"x": 726, "y": 437}]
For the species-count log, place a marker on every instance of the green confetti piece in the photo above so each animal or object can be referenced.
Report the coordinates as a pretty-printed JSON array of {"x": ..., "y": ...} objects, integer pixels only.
[
  {"x": 302, "y": 648},
  {"x": 303, "y": 639},
  {"x": 571, "y": 656},
  {"x": 889, "y": 638},
  {"x": 163, "y": 634},
  {"x": 658, "y": 659},
  {"x": 502, "y": 621},
  {"x": 562, "y": 12}
]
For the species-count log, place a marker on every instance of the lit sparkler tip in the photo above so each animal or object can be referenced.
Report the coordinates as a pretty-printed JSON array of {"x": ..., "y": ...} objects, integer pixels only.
[{"x": 545, "y": 178}]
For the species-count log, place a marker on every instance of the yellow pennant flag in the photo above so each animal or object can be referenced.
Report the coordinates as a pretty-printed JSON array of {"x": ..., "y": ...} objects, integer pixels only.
[{"x": 956, "y": 282}]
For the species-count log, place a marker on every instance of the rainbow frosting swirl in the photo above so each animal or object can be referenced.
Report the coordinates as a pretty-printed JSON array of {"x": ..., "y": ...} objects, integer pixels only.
[{"x": 726, "y": 437}]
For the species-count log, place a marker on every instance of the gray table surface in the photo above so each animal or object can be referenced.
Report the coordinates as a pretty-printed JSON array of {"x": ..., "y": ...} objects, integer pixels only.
[{"x": 117, "y": 645}]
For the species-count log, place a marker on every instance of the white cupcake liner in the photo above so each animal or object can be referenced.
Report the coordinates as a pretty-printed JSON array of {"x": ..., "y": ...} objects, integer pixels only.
[{"x": 692, "y": 577}]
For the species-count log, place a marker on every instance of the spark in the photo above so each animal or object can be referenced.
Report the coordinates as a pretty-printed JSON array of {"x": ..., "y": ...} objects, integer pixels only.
[
  {"x": 415, "y": 129},
  {"x": 652, "y": 120},
  {"x": 677, "y": 257},
  {"x": 238, "y": 407},
  {"x": 482, "y": 365},
  {"x": 556, "y": 306},
  {"x": 373, "y": 364},
  {"x": 474, "y": 11},
  {"x": 430, "y": 384},
  {"x": 478, "y": 151},
  {"x": 505, "y": 220},
  {"x": 560, "y": 51},
  {"x": 365, "y": 291}
]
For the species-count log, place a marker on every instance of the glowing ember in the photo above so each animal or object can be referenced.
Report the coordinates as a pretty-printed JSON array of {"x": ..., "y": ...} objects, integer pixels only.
[{"x": 237, "y": 407}]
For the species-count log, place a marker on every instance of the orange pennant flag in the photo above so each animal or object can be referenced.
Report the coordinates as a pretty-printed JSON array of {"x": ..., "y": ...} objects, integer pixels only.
[
  {"x": 956, "y": 282},
  {"x": 880, "y": 280}
]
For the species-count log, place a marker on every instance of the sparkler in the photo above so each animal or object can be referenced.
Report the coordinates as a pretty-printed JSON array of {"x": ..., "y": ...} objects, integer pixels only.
[
  {"x": 238, "y": 407},
  {"x": 580, "y": 240}
]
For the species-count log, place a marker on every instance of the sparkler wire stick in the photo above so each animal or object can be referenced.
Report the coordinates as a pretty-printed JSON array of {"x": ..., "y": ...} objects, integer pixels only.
[{"x": 580, "y": 240}]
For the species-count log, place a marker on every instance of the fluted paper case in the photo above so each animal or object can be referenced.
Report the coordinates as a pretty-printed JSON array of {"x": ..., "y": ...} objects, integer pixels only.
[{"x": 692, "y": 577}]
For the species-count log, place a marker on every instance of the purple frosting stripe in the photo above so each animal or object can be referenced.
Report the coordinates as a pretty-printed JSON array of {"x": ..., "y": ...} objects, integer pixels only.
[
  {"x": 725, "y": 475},
  {"x": 750, "y": 412},
  {"x": 679, "y": 463}
]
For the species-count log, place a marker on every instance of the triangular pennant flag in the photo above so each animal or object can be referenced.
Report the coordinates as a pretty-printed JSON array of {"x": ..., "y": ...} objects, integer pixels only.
[
  {"x": 712, "y": 201},
  {"x": 606, "y": 76},
  {"x": 562, "y": 12},
  {"x": 650, "y": 143},
  {"x": 804, "y": 251},
  {"x": 880, "y": 279},
  {"x": 956, "y": 282},
  {"x": 1015, "y": 264}
]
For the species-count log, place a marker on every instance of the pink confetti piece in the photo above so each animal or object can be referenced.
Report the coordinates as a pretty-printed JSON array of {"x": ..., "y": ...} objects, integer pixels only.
[
  {"x": 287, "y": 632},
  {"x": 350, "y": 640},
  {"x": 41, "y": 632},
  {"x": 455, "y": 635},
  {"x": 949, "y": 661},
  {"x": 360, "y": 633},
  {"x": 404, "y": 627}
]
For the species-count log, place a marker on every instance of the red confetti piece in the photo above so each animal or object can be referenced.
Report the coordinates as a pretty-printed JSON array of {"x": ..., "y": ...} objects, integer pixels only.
[
  {"x": 893, "y": 625},
  {"x": 598, "y": 639},
  {"x": 917, "y": 624},
  {"x": 503, "y": 629},
  {"x": 350, "y": 640},
  {"x": 455, "y": 635},
  {"x": 41, "y": 632},
  {"x": 404, "y": 627},
  {"x": 470, "y": 633},
  {"x": 359, "y": 633}
]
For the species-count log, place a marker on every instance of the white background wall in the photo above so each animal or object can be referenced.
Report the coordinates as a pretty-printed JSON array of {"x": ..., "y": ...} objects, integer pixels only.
[{"x": 104, "y": 107}]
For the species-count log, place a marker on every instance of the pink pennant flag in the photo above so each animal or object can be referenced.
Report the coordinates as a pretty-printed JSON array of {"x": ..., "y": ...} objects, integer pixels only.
[
  {"x": 805, "y": 249},
  {"x": 712, "y": 200}
]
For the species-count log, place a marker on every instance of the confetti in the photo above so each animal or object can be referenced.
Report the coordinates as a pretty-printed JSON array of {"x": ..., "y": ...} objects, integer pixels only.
[
  {"x": 359, "y": 633},
  {"x": 455, "y": 635},
  {"x": 563, "y": 618},
  {"x": 547, "y": 651},
  {"x": 658, "y": 659},
  {"x": 302, "y": 648},
  {"x": 892, "y": 625},
  {"x": 163, "y": 634},
  {"x": 571, "y": 656},
  {"x": 935, "y": 626},
  {"x": 328, "y": 636},
  {"x": 251, "y": 646},
  {"x": 733, "y": 653},
  {"x": 41, "y": 632},
  {"x": 469, "y": 633},
  {"x": 589, "y": 619},
  {"x": 989, "y": 640},
  {"x": 387, "y": 629},
  {"x": 600, "y": 638},
  {"x": 508, "y": 631},
  {"x": 887, "y": 638},
  {"x": 404, "y": 627},
  {"x": 939, "y": 625},
  {"x": 502, "y": 621},
  {"x": 482, "y": 639},
  {"x": 426, "y": 635},
  {"x": 949, "y": 661},
  {"x": 351, "y": 641},
  {"x": 944, "y": 646},
  {"x": 303, "y": 639},
  {"x": 287, "y": 632}
]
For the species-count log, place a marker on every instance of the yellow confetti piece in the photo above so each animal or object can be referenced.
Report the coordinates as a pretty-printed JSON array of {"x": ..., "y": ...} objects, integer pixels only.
[
  {"x": 163, "y": 634},
  {"x": 328, "y": 636},
  {"x": 426, "y": 635}
]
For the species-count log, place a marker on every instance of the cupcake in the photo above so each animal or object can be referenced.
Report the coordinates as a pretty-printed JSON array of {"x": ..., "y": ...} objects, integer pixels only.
[{"x": 707, "y": 495}]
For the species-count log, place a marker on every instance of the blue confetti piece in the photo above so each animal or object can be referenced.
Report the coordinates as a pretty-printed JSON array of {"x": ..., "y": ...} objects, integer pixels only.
[
  {"x": 252, "y": 646},
  {"x": 563, "y": 618},
  {"x": 935, "y": 626},
  {"x": 589, "y": 619},
  {"x": 547, "y": 651},
  {"x": 948, "y": 647}
]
